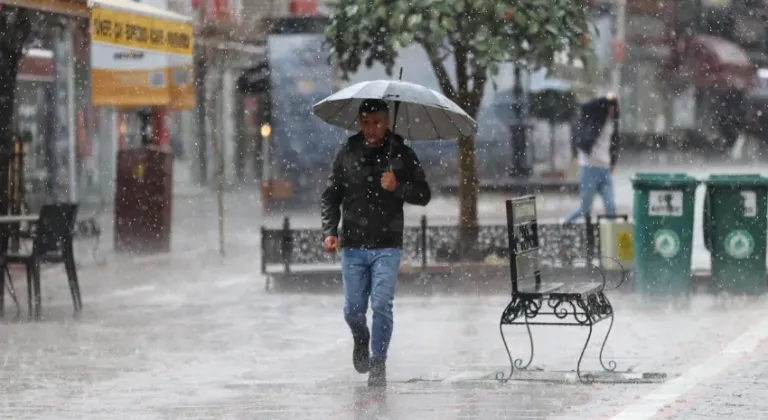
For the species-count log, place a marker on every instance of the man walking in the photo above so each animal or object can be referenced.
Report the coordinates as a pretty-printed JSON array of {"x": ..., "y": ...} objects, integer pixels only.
[
  {"x": 597, "y": 143},
  {"x": 373, "y": 174}
]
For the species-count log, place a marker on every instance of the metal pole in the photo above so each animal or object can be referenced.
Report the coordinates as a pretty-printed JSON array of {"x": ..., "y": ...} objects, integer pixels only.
[
  {"x": 115, "y": 143},
  {"x": 220, "y": 160},
  {"x": 220, "y": 191},
  {"x": 519, "y": 130},
  {"x": 202, "y": 54},
  {"x": 620, "y": 39},
  {"x": 72, "y": 145},
  {"x": 266, "y": 160}
]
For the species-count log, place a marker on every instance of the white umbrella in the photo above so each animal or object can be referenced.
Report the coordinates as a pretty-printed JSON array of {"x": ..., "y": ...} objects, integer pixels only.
[{"x": 418, "y": 113}]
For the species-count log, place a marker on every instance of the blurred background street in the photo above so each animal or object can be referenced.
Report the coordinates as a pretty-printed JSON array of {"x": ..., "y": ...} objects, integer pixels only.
[{"x": 151, "y": 152}]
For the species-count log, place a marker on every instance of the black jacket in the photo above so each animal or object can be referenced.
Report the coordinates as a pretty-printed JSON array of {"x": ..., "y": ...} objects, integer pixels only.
[
  {"x": 373, "y": 216},
  {"x": 593, "y": 117}
]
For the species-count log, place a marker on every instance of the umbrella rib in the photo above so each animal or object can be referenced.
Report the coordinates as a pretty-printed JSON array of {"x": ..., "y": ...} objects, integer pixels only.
[
  {"x": 449, "y": 119},
  {"x": 407, "y": 119},
  {"x": 454, "y": 124},
  {"x": 343, "y": 104},
  {"x": 349, "y": 127},
  {"x": 426, "y": 110}
]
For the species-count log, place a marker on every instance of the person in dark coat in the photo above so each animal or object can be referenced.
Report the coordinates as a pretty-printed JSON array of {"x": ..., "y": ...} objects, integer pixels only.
[
  {"x": 596, "y": 141},
  {"x": 373, "y": 175}
]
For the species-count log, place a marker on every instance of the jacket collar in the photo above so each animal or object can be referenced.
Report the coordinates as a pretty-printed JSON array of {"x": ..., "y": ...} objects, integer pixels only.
[{"x": 389, "y": 138}]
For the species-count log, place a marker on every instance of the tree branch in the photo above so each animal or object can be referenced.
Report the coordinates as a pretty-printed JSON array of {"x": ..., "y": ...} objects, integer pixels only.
[
  {"x": 479, "y": 80},
  {"x": 440, "y": 71},
  {"x": 461, "y": 55},
  {"x": 462, "y": 77}
]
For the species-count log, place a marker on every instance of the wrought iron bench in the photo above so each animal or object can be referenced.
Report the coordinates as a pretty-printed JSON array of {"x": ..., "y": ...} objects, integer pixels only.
[{"x": 554, "y": 303}]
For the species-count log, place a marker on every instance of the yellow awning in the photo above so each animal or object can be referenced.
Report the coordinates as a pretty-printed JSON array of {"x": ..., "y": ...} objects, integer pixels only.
[{"x": 140, "y": 56}]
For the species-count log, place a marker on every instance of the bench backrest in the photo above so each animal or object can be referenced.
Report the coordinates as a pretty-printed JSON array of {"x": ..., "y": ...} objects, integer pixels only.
[{"x": 523, "y": 234}]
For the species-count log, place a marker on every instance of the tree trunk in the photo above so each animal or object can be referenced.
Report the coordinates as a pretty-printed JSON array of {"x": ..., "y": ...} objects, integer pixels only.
[
  {"x": 468, "y": 184},
  {"x": 468, "y": 94},
  {"x": 8, "y": 69},
  {"x": 15, "y": 28}
]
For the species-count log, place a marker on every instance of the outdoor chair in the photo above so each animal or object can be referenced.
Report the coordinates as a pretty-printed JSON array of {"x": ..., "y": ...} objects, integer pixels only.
[
  {"x": 7, "y": 283},
  {"x": 52, "y": 242}
]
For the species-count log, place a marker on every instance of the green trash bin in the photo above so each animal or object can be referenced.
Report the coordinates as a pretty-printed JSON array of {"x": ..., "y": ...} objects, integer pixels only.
[
  {"x": 735, "y": 225},
  {"x": 663, "y": 234}
]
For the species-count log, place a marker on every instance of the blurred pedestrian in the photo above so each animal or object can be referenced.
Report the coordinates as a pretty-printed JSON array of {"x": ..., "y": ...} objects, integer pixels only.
[
  {"x": 596, "y": 141},
  {"x": 373, "y": 175}
]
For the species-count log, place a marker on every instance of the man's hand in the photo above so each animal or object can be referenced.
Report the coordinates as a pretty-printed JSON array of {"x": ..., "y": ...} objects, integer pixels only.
[
  {"x": 389, "y": 181},
  {"x": 331, "y": 244},
  {"x": 612, "y": 168}
]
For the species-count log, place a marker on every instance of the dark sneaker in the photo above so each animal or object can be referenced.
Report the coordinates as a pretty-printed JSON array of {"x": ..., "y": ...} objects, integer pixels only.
[
  {"x": 377, "y": 377},
  {"x": 361, "y": 357}
]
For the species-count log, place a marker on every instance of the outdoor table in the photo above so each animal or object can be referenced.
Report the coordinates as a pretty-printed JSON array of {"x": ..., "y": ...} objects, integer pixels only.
[
  {"x": 15, "y": 220},
  {"x": 19, "y": 218}
]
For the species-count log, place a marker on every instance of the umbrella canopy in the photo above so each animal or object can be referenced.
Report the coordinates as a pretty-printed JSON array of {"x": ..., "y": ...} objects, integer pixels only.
[
  {"x": 550, "y": 99},
  {"x": 554, "y": 105},
  {"x": 423, "y": 114}
]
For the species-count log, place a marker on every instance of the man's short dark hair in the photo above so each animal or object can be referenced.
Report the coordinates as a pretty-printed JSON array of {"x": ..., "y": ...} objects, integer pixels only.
[{"x": 371, "y": 106}]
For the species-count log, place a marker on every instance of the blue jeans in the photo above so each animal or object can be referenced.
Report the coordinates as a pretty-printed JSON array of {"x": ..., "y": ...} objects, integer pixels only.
[
  {"x": 370, "y": 273},
  {"x": 593, "y": 180}
]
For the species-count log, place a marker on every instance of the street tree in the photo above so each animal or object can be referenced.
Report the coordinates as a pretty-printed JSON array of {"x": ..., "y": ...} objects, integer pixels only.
[
  {"x": 20, "y": 28},
  {"x": 477, "y": 35}
]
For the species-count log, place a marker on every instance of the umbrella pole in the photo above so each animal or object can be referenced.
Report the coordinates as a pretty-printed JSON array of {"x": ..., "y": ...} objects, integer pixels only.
[{"x": 394, "y": 123}]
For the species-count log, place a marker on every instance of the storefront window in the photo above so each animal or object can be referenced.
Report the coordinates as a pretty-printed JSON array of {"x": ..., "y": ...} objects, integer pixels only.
[
  {"x": 643, "y": 103},
  {"x": 33, "y": 128}
]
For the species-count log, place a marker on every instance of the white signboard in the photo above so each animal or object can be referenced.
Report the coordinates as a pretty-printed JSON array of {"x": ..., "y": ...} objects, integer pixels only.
[
  {"x": 750, "y": 203},
  {"x": 665, "y": 203}
]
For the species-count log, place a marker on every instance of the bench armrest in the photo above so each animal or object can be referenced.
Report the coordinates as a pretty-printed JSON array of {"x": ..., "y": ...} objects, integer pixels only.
[{"x": 624, "y": 271}]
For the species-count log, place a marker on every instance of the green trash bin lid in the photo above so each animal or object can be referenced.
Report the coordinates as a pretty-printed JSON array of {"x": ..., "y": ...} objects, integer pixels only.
[
  {"x": 663, "y": 180},
  {"x": 737, "y": 180}
]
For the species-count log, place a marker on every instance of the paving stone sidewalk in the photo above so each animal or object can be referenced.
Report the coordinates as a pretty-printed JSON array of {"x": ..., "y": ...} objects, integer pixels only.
[{"x": 185, "y": 338}]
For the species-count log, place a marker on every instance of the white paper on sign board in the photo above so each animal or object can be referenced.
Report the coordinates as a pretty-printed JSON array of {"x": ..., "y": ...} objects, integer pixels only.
[
  {"x": 750, "y": 203},
  {"x": 665, "y": 203}
]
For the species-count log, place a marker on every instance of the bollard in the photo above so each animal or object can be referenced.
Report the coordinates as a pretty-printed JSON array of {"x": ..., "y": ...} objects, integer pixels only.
[
  {"x": 423, "y": 242},
  {"x": 263, "y": 250},
  {"x": 286, "y": 251}
]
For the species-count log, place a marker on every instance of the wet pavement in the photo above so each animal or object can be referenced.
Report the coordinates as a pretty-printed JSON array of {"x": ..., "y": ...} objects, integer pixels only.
[
  {"x": 194, "y": 228},
  {"x": 189, "y": 336},
  {"x": 739, "y": 393}
]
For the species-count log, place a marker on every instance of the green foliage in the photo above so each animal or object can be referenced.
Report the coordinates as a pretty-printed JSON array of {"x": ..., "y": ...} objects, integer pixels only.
[{"x": 478, "y": 34}]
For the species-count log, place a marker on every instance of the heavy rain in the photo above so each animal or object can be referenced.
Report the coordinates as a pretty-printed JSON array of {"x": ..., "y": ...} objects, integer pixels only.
[{"x": 383, "y": 209}]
